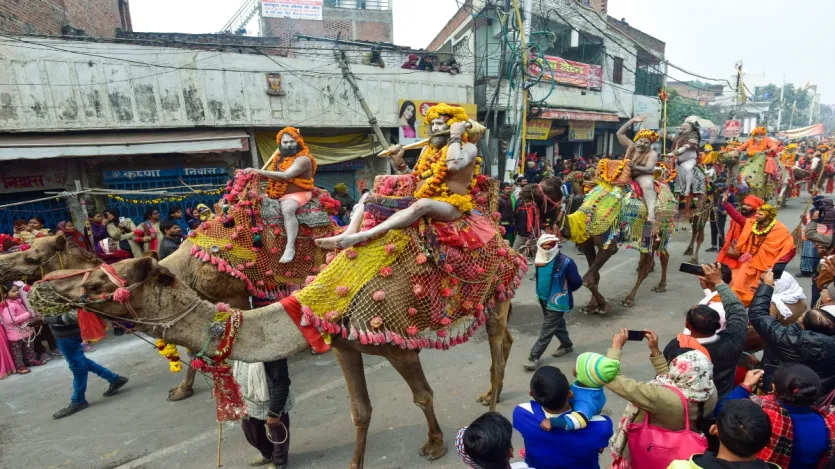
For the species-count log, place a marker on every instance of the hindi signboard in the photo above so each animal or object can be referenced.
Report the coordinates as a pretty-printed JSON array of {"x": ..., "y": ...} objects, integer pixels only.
[
  {"x": 293, "y": 9},
  {"x": 732, "y": 128},
  {"x": 538, "y": 129},
  {"x": 412, "y": 128},
  {"x": 581, "y": 130},
  {"x": 569, "y": 72}
]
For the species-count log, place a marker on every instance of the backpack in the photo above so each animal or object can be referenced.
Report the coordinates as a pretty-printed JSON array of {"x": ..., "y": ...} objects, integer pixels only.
[{"x": 558, "y": 299}]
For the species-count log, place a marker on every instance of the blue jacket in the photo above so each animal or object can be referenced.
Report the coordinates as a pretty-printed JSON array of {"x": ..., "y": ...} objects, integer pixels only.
[{"x": 559, "y": 275}]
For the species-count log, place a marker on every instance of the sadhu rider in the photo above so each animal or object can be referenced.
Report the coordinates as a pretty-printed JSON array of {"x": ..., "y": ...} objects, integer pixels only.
[
  {"x": 642, "y": 160},
  {"x": 291, "y": 183},
  {"x": 760, "y": 143},
  {"x": 442, "y": 195}
]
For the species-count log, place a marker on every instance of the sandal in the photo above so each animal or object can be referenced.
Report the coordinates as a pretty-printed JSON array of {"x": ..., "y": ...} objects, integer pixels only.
[{"x": 24, "y": 371}]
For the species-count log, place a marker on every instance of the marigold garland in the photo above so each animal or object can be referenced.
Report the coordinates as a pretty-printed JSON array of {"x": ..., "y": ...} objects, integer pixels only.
[
  {"x": 646, "y": 133},
  {"x": 276, "y": 189},
  {"x": 759, "y": 131},
  {"x": 765, "y": 230},
  {"x": 169, "y": 351},
  {"x": 455, "y": 114},
  {"x": 432, "y": 167},
  {"x": 173, "y": 198},
  {"x": 673, "y": 173},
  {"x": 603, "y": 170}
]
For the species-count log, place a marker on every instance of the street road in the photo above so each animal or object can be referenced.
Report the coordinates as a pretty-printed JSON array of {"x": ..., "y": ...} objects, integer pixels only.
[{"x": 138, "y": 428}]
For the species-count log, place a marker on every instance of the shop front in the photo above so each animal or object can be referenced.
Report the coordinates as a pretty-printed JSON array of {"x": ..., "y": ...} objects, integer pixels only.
[{"x": 575, "y": 133}]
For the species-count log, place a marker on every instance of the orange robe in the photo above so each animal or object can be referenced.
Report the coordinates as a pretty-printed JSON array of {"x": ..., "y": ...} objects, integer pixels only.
[
  {"x": 777, "y": 246},
  {"x": 767, "y": 146}
]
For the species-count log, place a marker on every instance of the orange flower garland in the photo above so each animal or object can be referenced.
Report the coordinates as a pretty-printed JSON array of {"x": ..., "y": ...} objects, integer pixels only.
[
  {"x": 276, "y": 189},
  {"x": 603, "y": 170},
  {"x": 432, "y": 167},
  {"x": 673, "y": 173}
]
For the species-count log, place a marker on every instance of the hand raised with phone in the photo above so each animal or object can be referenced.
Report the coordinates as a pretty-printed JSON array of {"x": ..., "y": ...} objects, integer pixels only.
[{"x": 712, "y": 276}]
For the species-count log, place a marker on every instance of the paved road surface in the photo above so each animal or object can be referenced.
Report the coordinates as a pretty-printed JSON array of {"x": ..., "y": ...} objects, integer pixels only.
[{"x": 138, "y": 428}]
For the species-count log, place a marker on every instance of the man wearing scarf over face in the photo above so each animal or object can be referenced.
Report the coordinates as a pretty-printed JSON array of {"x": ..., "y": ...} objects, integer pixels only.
[
  {"x": 557, "y": 279},
  {"x": 729, "y": 254}
]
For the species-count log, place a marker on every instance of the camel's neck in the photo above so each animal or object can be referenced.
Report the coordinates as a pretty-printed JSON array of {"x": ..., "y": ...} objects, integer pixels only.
[{"x": 265, "y": 334}]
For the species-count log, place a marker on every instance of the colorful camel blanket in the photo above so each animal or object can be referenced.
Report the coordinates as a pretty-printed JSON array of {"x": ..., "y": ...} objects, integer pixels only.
[
  {"x": 246, "y": 237},
  {"x": 619, "y": 214},
  {"x": 430, "y": 285},
  {"x": 759, "y": 182}
]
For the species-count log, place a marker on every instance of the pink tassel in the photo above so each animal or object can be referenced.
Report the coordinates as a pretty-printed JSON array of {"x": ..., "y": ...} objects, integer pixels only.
[
  {"x": 363, "y": 338},
  {"x": 214, "y": 260},
  {"x": 345, "y": 333}
]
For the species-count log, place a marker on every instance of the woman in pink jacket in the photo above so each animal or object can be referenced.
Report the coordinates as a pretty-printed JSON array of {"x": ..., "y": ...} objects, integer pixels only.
[{"x": 14, "y": 316}]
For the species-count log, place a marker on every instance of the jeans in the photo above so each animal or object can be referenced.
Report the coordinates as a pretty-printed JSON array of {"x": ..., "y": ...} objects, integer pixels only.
[
  {"x": 80, "y": 366},
  {"x": 717, "y": 230},
  {"x": 553, "y": 325}
]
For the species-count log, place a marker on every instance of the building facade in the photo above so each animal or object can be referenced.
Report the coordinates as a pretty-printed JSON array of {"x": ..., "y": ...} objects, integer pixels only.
[
  {"x": 598, "y": 72},
  {"x": 98, "y": 18},
  {"x": 351, "y": 20},
  {"x": 190, "y": 113}
]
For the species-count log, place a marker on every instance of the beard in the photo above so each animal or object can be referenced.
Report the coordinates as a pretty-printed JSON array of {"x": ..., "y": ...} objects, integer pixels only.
[
  {"x": 642, "y": 147},
  {"x": 439, "y": 141},
  {"x": 289, "y": 150},
  {"x": 746, "y": 211}
]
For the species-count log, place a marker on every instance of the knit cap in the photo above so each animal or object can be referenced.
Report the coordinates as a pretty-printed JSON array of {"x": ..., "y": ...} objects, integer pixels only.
[{"x": 594, "y": 370}]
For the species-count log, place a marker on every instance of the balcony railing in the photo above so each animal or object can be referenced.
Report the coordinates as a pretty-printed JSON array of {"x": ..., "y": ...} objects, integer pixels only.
[{"x": 359, "y": 4}]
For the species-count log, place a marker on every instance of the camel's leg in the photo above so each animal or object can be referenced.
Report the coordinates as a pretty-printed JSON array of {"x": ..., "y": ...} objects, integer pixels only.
[
  {"x": 185, "y": 389},
  {"x": 699, "y": 234},
  {"x": 693, "y": 225},
  {"x": 500, "y": 342},
  {"x": 351, "y": 363},
  {"x": 665, "y": 261},
  {"x": 643, "y": 271},
  {"x": 591, "y": 279},
  {"x": 407, "y": 363}
]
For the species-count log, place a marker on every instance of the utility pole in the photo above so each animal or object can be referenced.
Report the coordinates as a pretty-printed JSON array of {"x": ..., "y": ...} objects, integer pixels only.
[
  {"x": 516, "y": 151},
  {"x": 339, "y": 55},
  {"x": 794, "y": 107},
  {"x": 780, "y": 105}
]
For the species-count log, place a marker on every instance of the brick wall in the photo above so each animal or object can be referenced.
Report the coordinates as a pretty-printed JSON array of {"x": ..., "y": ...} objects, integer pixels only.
[
  {"x": 95, "y": 17},
  {"x": 463, "y": 14},
  {"x": 348, "y": 23}
]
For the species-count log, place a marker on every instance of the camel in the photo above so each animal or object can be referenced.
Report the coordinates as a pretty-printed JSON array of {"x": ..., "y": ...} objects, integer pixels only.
[
  {"x": 52, "y": 253},
  {"x": 265, "y": 334}
]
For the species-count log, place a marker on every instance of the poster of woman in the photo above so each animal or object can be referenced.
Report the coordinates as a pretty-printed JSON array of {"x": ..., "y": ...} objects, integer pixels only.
[{"x": 410, "y": 118}]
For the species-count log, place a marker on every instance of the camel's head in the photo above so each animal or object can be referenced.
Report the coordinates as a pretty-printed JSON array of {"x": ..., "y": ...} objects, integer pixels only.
[
  {"x": 111, "y": 290},
  {"x": 44, "y": 255}
]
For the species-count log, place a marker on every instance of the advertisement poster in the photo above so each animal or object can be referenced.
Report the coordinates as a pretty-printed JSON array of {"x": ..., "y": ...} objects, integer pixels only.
[
  {"x": 293, "y": 9},
  {"x": 581, "y": 130},
  {"x": 410, "y": 117},
  {"x": 571, "y": 73},
  {"x": 731, "y": 129},
  {"x": 538, "y": 129}
]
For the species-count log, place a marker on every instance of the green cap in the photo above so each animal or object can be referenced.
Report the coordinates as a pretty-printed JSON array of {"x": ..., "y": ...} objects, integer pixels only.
[{"x": 594, "y": 370}]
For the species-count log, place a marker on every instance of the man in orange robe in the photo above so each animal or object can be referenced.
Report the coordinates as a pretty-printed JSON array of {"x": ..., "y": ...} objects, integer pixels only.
[
  {"x": 764, "y": 242},
  {"x": 750, "y": 204},
  {"x": 760, "y": 143}
]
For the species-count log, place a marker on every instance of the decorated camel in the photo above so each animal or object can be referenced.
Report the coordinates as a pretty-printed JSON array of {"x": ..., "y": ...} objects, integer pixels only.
[
  {"x": 231, "y": 256},
  {"x": 413, "y": 283},
  {"x": 761, "y": 172}
]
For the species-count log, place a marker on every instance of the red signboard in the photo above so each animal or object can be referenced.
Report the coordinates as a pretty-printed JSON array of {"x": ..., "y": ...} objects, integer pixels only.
[
  {"x": 732, "y": 128},
  {"x": 571, "y": 73}
]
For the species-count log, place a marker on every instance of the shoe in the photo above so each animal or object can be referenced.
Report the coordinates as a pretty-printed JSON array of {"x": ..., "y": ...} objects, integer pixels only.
[
  {"x": 88, "y": 348},
  {"x": 36, "y": 363},
  {"x": 69, "y": 410},
  {"x": 711, "y": 249},
  {"x": 45, "y": 357},
  {"x": 114, "y": 386},
  {"x": 260, "y": 461},
  {"x": 803, "y": 274},
  {"x": 56, "y": 353},
  {"x": 531, "y": 364},
  {"x": 273, "y": 466},
  {"x": 562, "y": 351}
]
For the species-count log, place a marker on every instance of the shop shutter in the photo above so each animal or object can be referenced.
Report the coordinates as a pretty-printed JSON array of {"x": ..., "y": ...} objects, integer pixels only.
[{"x": 328, "y": 179}]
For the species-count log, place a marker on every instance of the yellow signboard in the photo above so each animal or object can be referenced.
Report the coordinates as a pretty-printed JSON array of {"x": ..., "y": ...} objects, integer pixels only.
[
  {"x": 411, "y": 127},
  {"x": 581, "y": 130},
  {"x": 538, "y": 129}
]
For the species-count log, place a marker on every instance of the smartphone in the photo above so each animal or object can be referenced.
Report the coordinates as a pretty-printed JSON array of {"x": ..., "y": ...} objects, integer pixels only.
[
  {"x": 637, "y": 336},
  {"x": 121, "y": 220},
  {"x": 692, "y": 269},
  {"x": 778, "y": 269}
]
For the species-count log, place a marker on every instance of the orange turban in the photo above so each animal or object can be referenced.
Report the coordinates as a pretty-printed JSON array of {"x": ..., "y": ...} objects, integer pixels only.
[
  {"x": 753, "y": 201},
  {"x": 295, "y": 133}
]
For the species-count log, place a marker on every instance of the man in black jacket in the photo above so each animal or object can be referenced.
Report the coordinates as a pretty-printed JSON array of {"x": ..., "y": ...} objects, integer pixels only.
[
  {"x": 273, "y": 414},
  {"x": 810, "y": 342},
  {"x": 68, "y": 337}
]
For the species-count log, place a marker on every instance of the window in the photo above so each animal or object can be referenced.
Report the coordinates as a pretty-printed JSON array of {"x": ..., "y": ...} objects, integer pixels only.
[{"x": 617, "y": 71}]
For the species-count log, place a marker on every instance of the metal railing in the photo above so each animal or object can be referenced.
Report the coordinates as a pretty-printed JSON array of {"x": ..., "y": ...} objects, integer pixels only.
[{"x": 359, "y": 4}]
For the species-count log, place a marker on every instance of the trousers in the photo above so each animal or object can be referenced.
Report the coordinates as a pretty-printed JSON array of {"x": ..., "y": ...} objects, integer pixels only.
[
  {"x": 80, "y": 366},
  {"x": 717, "y": 230},
  {"x": 256, "y": 435},
  {"x": 553, "y": 325}
]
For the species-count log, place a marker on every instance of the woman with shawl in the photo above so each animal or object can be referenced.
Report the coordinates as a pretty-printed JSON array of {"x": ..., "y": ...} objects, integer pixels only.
[
  {"x": 686, "y": 153},
  {"x": 689, "y": 373},
  {"x": 72, "y": 234}
]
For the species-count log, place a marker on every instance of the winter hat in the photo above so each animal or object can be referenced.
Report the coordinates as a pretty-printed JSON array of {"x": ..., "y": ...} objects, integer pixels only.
[{"x": 594, "y": 370}]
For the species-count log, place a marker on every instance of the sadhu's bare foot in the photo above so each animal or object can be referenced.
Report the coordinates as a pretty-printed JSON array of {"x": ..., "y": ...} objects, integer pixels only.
[
  {"x": 348, "y": 240},
  {"x": 328, "y": 243},
  {"x": 289, "y": 254}
]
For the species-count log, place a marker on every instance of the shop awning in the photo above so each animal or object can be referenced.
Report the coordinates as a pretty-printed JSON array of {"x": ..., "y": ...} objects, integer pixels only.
[
  {"x": 38, "y": 146},
  {"x": 572, "y": 115}
]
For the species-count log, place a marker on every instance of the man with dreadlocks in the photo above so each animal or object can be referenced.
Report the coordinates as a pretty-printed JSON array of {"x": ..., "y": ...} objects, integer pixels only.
[
  {"x": 446, "y": 176},
  {"x": 764, "y": 242},
  {"x": 642, "y": 159},
  {"x": 291, "y": 182}
]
